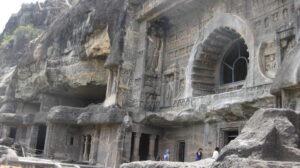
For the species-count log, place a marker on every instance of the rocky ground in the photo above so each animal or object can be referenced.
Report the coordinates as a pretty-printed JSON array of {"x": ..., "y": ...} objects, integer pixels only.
[
  {"x": 269, "y": 139},
  {"x": 163, "y": 164}
]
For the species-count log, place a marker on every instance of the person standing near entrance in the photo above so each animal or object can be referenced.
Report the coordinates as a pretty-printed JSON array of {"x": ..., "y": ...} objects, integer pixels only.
[
  {"x": 167, "y": 155},
  {"x": 216, "y": 153},
  {"x": 199, "y": 154}
]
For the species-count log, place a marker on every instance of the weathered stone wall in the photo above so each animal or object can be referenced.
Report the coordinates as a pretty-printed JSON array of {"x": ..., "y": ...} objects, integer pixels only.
[
  {"x": 58, "y": 144},
  {"x": 108, "y": 146},
  {"x": 206, "y": 136}
]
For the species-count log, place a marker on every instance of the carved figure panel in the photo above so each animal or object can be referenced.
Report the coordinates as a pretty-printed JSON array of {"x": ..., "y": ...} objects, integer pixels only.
[
  {"x": 155, "y": 39},
  {"x": 287, "y": 45},
  {"x": 173, "y": 84},
  {"x": 268, "y": 59},
  {"x": 112, "y": 84},
  {"x": 169, "y": 90}
]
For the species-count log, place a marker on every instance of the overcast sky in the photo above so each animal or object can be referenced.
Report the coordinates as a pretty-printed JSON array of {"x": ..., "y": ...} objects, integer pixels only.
[{"x": 8, "y": 7}]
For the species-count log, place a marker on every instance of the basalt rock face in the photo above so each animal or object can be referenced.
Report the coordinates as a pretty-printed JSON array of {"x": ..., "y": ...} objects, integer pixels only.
[
  {"x": 26, "y": 25},
  {"x": 96, "y": 114},
  {"x": 60, "y": 47},
  {"x": 68, "y": 56},
  {"x": 270, "y": 138},
  {"x": 7, "y": 154},
  {"x": 150, "y": 164}
]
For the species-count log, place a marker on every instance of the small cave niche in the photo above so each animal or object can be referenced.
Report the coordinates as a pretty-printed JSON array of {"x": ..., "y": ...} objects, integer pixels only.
[
  {"x": 71, "y": 141},
  {"x": 82, "y": 96},
  {"x": 91, "y": 94},
  {"x": 95, "y": 95},
  {"x": 227, "y": 135}
]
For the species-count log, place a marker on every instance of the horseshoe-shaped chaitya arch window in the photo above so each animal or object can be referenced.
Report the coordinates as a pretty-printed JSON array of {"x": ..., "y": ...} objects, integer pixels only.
[
  {"x": 235, "y": 63},
  {"x": 222, "y": 63}
]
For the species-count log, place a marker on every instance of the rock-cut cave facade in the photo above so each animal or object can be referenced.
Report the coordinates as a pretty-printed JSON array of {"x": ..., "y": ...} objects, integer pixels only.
[{"x": 157, "y": 75}]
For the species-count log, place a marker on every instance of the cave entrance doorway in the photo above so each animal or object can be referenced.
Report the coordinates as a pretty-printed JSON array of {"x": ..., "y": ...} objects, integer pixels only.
[
  {"x": 41, "y": 137},
  {"x": 229, "y": 135},
  {"x": 144, "y": 147},
  {"x": 12, "y": 132},
  {"x": 133, "y": 135},
  {"x": 156, "y": 148},
  {"x": 181, "y": 151}
]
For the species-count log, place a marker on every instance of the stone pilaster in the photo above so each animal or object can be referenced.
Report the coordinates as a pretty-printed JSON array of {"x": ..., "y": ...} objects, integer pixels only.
[
  {"x": 94, "y": 148},
  {"x": 33, "y": 136},
  {"x": 48, "y": 152},
  {"x": 85, "y": 154},
  {"x": 151, "y": 147},
  {"x": 136, "y": 147}
]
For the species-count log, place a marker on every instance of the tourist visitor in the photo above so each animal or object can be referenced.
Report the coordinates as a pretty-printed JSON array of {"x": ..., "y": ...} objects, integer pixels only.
[
  {"x": 159, "y": 157},
  {"x": 167, "y": 155},
  {"x": 199, "y": 154},
  {"x": 216, "y": 153}
]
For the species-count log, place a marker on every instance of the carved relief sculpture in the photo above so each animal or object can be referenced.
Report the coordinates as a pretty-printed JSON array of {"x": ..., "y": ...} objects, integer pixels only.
[{"x": 268, "y": 59}]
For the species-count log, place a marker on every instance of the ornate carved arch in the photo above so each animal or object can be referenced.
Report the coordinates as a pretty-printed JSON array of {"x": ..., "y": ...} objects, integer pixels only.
[{"x": 213, "y": 42}]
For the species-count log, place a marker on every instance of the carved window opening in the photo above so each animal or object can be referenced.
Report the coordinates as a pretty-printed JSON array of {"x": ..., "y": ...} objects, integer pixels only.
[{"x": 235, "y": 63}]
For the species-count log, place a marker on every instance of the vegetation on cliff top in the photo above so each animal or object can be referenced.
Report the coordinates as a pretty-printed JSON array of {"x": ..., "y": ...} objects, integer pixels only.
[{"x": 29, "y": 31}]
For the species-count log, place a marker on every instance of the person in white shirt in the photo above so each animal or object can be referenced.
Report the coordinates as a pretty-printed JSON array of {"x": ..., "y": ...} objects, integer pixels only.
[{"x": 216, "y": 153}]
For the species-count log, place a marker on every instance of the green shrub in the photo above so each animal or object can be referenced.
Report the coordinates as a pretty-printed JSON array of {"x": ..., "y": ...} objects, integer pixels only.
[{"x": 28, "y": 30}]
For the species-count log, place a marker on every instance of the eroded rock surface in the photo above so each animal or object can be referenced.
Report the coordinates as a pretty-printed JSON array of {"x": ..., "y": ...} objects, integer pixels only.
[
  {"x": 7, "y": 154},
  {"x": 270, "y": 134},
  {"x": 269, "y": 139},
  {"x": 163, "y": 164}
]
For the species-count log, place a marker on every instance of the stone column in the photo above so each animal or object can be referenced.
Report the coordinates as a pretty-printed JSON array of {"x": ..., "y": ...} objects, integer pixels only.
[
  {"x": 136, "y": 147},
  {"x": 33, "y": 136},
  {"x": 151, "y": 147},
  {"x": 85, "y": 154},
  {"x": 49, "y": 152},
  {"x": 94, "y": 147},
  {"x": 5, "y": 132},
  {"x": 48, "y": 132}
]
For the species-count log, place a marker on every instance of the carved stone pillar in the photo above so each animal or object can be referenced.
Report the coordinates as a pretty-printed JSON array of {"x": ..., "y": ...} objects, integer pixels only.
[
  {"x": 94, "y": 148},
  {"x": 136, "y": 147},
  {"x": 151, "y": 147},
  {"x": 49, "y": 151},
  {"x": 47, "y": 139},
  {"x": 33, "y": 136},
  {"x": 5, "y": 132},
  {"x": 85, "y": 154}
]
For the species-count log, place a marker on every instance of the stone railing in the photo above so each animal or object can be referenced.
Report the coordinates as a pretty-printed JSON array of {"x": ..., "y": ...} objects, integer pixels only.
[
  {"x": 34, "y": 163},
  {"x": 242, "y": 95}
]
